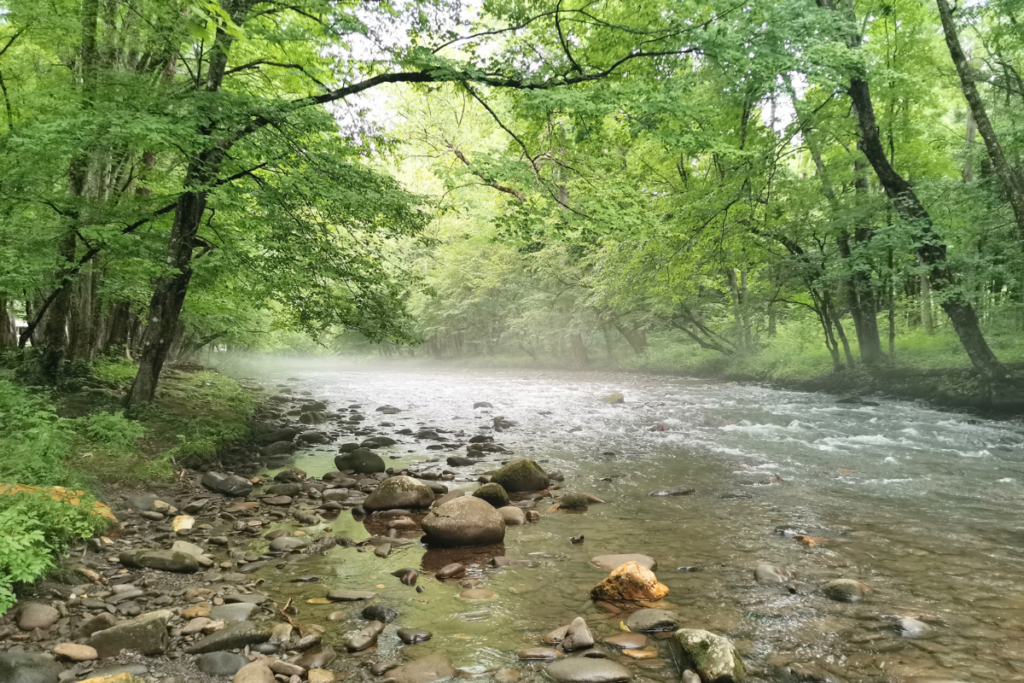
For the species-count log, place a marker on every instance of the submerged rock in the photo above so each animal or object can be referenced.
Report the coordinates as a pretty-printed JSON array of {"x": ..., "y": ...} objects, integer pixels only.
[
  {"x": 574, "y": 502},
  {"x": 430, "y": 669},
  {"x": 361, "y": 460},
  {"x": 464, "y": 522},
  {"x": 399, "y": 493},
  {"x": 767, "y": 573},
  {"x": 630, "y": 582},
  {"x": 521, "y": 474},
  {"x": 613, "y": 562},
  {"x": 588, "y": 670},
  {"x": 677, "y": 491},
  {"x": 713, "y": 657},
  {"x": 846, "y": 590}
]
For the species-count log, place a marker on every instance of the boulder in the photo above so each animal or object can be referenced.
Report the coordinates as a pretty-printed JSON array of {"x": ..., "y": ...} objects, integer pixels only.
[
  {"x": 587, "y": 670},
  {"x": 228, "y": 484},
  {"x": 521, "y": 474},
  {"x": 612, "y": 562},
  {"x": 164, "y": 560},
  {"x": 512, "y": 516},
  {"x": 235, "y": 635},
  {"x": 713, "y": 657},
  {"x": 33, "y": 615},
  {"x": 146, "y": 634},
  {"x": 25, "y": 667},
  {"x": 313, "y": 437},
  {"x": 430, "y": 669},
  {"x": 630, "y": 582},
  {"x": 381, "y": 613},
  {"x": 493, "y": 493},
  {"x": 361, "y": 460},
  {"x": 614, "y": 398},
  {"x": 574, "y": 502},
  {"x": 463, "y": 522},
  {"x": 399, "y": 493}
]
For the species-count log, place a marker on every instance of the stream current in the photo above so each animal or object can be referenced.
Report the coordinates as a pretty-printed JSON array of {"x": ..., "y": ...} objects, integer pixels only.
[{"x": 925, "y": 507}]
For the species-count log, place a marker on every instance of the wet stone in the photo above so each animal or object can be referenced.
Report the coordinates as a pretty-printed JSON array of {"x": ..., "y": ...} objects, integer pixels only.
[
  {"x": 430, "y": 669},
  {"x": 577, "y": 636},
  {"x": 652, "y": 621},
  {"x": 381, "y": 613},
  {"x": 413, "y": 636},
  {"x": 846, "y": 590},
  {"x": 317, "y": 658},
  {"x": 612, "y": 562},
  {"x": 766, "y": 573},
  {"x": 233, "y": 612},
  {"x": 539, "y": 654},
  {"x": 626, "y": 641},
  {"x": 588, "y": 670}
]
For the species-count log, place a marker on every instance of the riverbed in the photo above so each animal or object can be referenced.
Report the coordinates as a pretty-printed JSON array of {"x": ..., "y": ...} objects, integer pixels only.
[{"x": 923, "y": 506}]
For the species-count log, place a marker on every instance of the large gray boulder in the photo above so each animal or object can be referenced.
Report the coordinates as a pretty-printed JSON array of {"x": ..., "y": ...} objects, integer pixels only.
[
  {"x": 228, "y": 484},
  {"x": 521, "y": 474},
  {"x": 399, "y": 493},
  {"x": 465, "y": 521},
  {"x": 361, "y": 460},
  {"x": 713, "y": 657},
  {"x": 146, "y": 634},
  {"x": 26, "y": 667}
]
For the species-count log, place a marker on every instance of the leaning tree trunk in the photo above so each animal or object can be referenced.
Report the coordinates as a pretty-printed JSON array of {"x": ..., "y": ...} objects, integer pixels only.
[{"x": 1013, "y": 188}]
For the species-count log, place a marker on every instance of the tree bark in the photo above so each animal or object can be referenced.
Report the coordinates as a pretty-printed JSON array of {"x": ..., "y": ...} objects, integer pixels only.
[
  {"x": 1011, "y": 182},
  {"x": 8, "y": 335}
]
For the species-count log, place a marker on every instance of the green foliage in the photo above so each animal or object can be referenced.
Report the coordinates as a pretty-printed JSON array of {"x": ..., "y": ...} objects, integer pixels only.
[
  {"x": 34, "y": 442},
  {"x": 35, "y": 528},
  {"x": 112, "y": 429},
  {"x": 117, "y": 371}
]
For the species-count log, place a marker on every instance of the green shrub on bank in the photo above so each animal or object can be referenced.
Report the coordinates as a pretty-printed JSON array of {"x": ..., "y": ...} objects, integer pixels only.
[
  {"x": 34, "y": 442},
  {"x": 35, "y": 529}
]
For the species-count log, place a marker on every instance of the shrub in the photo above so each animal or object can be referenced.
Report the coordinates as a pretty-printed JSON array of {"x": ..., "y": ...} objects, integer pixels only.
[
  {"x": 113, "y": 429},
  {"x": 33, "y": 440}
]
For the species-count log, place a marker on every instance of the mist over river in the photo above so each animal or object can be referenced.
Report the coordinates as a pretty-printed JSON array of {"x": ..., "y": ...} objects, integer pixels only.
[{"x": 923, "y": 506}]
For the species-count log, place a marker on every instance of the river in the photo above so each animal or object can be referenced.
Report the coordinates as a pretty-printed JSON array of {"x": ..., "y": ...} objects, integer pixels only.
[{"x": 923, "y": 506}]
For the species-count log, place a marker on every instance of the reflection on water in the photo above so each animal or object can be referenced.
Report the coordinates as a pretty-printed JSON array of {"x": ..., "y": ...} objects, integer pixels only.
[{"x": 924, "y": 506}]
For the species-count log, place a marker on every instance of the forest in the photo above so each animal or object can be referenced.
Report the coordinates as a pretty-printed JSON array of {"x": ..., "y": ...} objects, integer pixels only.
[{"x": 747, "y": 184}]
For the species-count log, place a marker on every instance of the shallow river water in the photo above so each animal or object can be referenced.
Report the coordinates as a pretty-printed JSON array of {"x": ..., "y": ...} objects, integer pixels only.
[{"x": 926, "y": 507}]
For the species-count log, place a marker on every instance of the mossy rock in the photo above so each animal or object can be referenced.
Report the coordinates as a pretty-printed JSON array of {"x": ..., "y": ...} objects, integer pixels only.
[
  {"x": 399, "y": 492},
  {"x": 493, "y": 494},
  {"x": 711, "y": 656},
  {"x": 614, "y": 398},
  {"x": 574, "y": 502},
  {"x": 521, "y": 474}
]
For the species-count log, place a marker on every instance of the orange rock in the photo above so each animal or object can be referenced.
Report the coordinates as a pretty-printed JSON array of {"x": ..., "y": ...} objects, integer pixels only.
[{"x": 630, "y": 582}]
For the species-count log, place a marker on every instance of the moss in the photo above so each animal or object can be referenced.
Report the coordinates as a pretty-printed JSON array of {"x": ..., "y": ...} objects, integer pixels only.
[
  {"x": 521, "y": 474},
  {"x": 576, "y": 502},
  {"x": 492, "y": 493}
]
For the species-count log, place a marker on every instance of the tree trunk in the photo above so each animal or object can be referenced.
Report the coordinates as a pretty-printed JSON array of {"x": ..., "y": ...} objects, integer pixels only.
[
  {"x": 54, "y": 335},
  {"x": 169, "y": 293},
  {"x": 636, "y": 338},
  {"x": 967, "y": 172},
  {"x": 1012, "y": 186},
  {"x": 926, "y": 306},
  {"x": 8, "y": 335},
  {"x": 579, "y": 350}
]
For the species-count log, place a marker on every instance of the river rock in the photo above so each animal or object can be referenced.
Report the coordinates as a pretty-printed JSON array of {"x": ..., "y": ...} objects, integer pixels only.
[
  {"x": 413, "y": 636},
  {"x": 626, "y": 641},
  {"x": 25, "y": 667},
  {"x": 361, "y": 460},
  {"x": 146, "y": 634},
  {"x": 846, "y": 590},
  {"x": 254, "y": 672},
  {"x": 101, "y": 621},
  {"x": 320, "y": 676},
  {"x": 289, "y": 543},
  {"x": 614, "y": 398},
  {"x": 451, "y": 571},
  {"x": 677, "y": 491},
  {"x": 540, "y": 654},
  {"x": 399, "y": 493},
  {"x": 237, "y": 634},
  {"x": 350, "y": 596},
  {"x": 577, "y": 636},
  {"x": 278, "y": 448},
  {"x": 630, "y": 582},
  {"x": 587, "y": 670},
  {"x": 909, "y": 627},
  {"x": 713, "y": 657},
  {"x": 164, "y": 560},
  {"x": 220, "y": 663},
  {"x": 236, "y": 612},
  {"x": 463, "y": 522},
  {"x": 612, "y": 562},
  {"x": 76, "y": 652},
  {"x": 286, "y": 668},
  {"x": 652, "y": 621},
  {"x": 430, "y": 669},
  {"x": 767, "y": 573},
  {"x": 381, "y": 613},
  {"x": 492, "y": 493},
  {"x": 228, "y": 484},
  {"x": 512, "y": 516},
  {"x": 290, "y": 489},
  {"x": 33, "y": 615},
  {"x": 574, "y": 502},
  {"x": 313, "y": 437},
  {"x": 459, "y": 461},
  {"x": 521, "y": 474},
  {"x": 362, "y": 639},
  {"x": 317, "y": 658}
]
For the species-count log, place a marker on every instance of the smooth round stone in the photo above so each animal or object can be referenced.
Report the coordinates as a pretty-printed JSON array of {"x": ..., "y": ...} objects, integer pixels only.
[
  {"x": 512, "y": 516},
  {"x": 337, "y": 616},
  {"x": 278, "y": 500},
  {"x": 610, "y": 563},
  {"x": 846, "y": 590},
  {"x": 908, "y": 627},
  {"x": 33, "y": 615},
  {"x": 412, "y": 636},
  {"x": 220, "y": 663},
  {"x": 76, "y": 652},
  {"x": 477, "y": 594},
  {"x": 587, "y": 670},
  {"x": 539, "y": 654},
  {"x": 652, "y": 621},
  {"x": 626, "y": 641},
  {"x": 766, "y": 573},
  {"x": 429, "y": 669}
]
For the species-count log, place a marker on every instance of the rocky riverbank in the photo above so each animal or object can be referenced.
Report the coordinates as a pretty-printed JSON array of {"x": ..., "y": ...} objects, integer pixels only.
[{"x": 220, "y": 575}]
